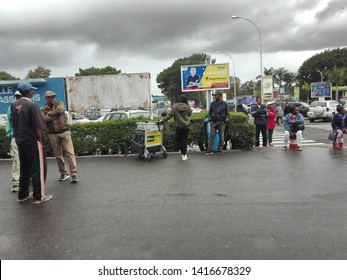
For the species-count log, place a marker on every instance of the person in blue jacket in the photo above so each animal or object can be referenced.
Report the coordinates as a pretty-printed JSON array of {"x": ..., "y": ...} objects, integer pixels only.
[
  {"x": 293, "y": 125},
  {"x": 259, "y": 113},
  {"x": 218, "y": 114}
]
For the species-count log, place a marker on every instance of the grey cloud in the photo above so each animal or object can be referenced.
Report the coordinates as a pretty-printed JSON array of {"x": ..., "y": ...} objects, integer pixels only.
[{"x": 159, "y": 30}]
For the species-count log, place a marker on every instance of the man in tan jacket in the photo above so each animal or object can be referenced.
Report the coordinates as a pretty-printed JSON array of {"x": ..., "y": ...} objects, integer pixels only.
[{"x": 59, "y": 135}]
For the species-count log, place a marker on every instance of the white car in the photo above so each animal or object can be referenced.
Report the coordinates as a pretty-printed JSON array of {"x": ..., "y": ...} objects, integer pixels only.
[
  {"x": 75, "y": 118},
  {"x": 324, "y": 110}
]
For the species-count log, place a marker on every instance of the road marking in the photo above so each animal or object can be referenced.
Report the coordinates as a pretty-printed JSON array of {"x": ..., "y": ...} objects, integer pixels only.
[{"x": 277, "y": 140}]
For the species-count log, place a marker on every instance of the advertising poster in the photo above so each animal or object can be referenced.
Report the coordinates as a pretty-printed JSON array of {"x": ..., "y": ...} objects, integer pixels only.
[
  {"x": 296, "y": 93},
  {"x": 205, "y": 77},
  {"x": 267, "y": 87},
  {"x": 8, "y": 88},
  {"x": 320, "y": 90}
]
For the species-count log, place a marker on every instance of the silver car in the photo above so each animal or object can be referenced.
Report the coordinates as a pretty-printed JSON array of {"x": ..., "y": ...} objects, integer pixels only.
[
  {"x": 323, "y": 110},
  {"x": 126, "y": 114}
]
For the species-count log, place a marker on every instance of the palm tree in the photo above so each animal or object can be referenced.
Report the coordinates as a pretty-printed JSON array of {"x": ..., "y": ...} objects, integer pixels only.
[
  {"x": 338, "y": 76},
  {"x": 290, "y": 79},
  {"x": 280, "y": 75}
]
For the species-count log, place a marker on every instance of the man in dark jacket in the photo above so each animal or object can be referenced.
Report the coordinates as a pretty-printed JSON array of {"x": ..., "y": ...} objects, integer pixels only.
[
  {"x": 218, "y": 114},
  {"x": 259, "y": 112}
]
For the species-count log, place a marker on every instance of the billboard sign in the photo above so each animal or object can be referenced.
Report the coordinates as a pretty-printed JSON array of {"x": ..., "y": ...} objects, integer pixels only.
[
  {"x": 321, "y": 90},
  {"x": 267, "y": 87},
  {"x": 205, "y": 77},
  {"x": 8, "y": 88}
]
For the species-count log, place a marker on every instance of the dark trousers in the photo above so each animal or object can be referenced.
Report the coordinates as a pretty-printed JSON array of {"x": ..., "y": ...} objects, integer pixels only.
[
  {"x": 182, "y": 139},
  {"x": 33, "y": 166},
  {"x": 270, "y": 133},
  {"x": 263, "y": 130},
  {"x": 214, "y": 126}
]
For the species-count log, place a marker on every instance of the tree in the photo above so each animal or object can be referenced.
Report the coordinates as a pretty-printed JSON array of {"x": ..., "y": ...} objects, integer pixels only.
[
  {"x": 329, "y": 58},
  {"x": 6, "y": 76},
  {"x": 169, "y": 80},
  {"x": 337, "y": 76},
  {"x": 248, "y": 88},
  {"x": 279, "y": 75},
  {"x": 108, "y": 70},
  {"x": 290, "y": 79},
  {"x": 38, "y": 72}
]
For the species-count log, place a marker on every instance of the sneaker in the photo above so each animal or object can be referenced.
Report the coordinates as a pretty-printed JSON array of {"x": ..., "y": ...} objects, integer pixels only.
[
  {"x": 208, "y": 153},
  {"x": 270, "y": 144},
  {"x": 285, "y": 148},
  {"x": 74, "y": 179},
  {"x": 221, "y": 153},
  {"x": 299, "y": 149},
  {"x": 44, "y": 198},
  {"x": 30, "y": 196},
  {"x": 184, "y": 157},
  {"x": 15, "y": 189},
  {"x": 63, "y": 177}
]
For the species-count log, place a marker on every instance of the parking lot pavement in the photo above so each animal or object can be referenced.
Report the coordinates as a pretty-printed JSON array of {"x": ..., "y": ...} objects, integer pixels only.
[{"x": 261, "y": 204}]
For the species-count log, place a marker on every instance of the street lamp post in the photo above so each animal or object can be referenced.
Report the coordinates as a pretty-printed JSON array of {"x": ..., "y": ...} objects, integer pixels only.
[
  {"x": 261, "y": 53},
  {"x": 321, "y": 74},
  {"x": 233, "y": 74}
]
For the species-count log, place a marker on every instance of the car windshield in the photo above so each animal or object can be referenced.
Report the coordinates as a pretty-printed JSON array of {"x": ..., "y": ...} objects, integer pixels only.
[{"x": 318, "y": 103}]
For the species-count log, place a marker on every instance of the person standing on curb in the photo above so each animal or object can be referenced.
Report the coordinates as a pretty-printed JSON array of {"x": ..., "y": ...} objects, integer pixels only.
[
  {"x": 53, "y": 112},
  {"x": 181, "y": 112},
  {"x": 27, "y": 123},
  {"x": 14, "y": 148},
  {"x": 218, "y": 114},
  {"x": 279, "y": 115},
  {"x": 271, "y": 115},
  {"x": 259, "y": 112}
]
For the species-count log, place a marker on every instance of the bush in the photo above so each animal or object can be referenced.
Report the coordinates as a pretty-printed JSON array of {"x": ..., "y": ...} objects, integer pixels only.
[
  {"x": 5, "y": 143},
  {"x": 116, "y": 136}
]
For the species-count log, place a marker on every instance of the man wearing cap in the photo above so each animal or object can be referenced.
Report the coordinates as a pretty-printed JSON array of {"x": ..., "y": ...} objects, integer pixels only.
[
  {"x": 27, "y": 123},
  {"x": 59, "y": 135},
  {"x": 13, "y": 149},
  {"x": 218, "y": 114}
]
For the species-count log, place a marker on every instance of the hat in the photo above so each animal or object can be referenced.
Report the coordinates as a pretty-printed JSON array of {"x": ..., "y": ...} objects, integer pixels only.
[
  {"x": 25, "y": 86},
  {"x": 17, "y": 93},
  {"x": 50, "y": 94},
  {"x": 269, "y": 103}
]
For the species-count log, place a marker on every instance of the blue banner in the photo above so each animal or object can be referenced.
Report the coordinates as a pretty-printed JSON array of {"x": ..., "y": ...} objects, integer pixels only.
[{"x": 8, "y": 88}]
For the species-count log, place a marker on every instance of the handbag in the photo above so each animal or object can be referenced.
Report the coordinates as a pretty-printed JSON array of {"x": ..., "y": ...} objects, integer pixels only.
[
  {"x": 332, "y": 136},
  {"x": 298, "y": 126}
]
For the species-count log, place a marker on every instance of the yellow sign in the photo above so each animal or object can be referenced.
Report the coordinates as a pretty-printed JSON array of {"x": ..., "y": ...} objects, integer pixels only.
[
  {"x": 205, "y": 77},
  {"x": 153, "y": 138}
]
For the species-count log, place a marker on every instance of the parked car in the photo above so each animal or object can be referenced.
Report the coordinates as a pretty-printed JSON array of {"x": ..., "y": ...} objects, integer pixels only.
[
  {"x": 75, "y": 118},
  {"x": 126, "y": 114},
  {"x": 324, "y": 110},
  {"x": 303, "y": 107}
]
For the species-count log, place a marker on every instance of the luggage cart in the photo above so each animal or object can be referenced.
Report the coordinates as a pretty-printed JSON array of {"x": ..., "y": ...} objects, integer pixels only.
[{"x": 148, "y": 140}]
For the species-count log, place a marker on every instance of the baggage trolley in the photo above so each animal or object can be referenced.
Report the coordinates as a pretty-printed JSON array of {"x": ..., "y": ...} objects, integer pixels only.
[{"x": 148, "y": 140}]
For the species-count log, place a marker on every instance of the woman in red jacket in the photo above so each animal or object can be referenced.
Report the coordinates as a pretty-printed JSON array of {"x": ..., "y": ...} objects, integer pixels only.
[{"x": 271, "y": 115}]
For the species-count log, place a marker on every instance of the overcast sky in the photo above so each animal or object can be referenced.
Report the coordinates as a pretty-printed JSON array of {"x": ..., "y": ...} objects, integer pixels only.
[{"x": 149, "y": 35}]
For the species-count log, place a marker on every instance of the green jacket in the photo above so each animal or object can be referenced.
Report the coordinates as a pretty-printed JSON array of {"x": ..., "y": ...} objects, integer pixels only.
[{"x": 181, "y": 112}]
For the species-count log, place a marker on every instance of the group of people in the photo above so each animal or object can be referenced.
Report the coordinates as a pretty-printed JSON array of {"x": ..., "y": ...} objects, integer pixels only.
[
  {"x": 264, "y": 120},
  {"x": 24, "y": 125}
]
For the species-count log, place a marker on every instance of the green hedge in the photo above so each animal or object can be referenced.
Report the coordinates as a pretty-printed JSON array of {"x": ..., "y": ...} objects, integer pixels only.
[{"x": 116, "y": 136}]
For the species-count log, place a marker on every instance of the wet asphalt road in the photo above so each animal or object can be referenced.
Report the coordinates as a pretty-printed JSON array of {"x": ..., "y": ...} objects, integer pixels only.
[{"x": 261, "y": 204}]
